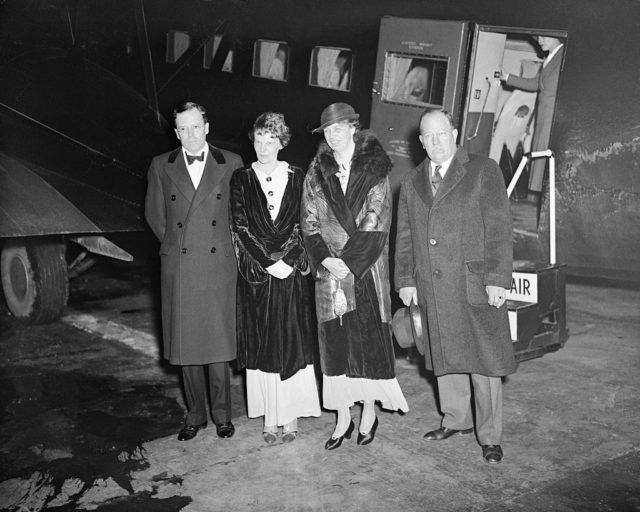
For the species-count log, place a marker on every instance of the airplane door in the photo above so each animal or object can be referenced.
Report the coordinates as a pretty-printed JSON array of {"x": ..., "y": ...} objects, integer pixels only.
[
  {"x": 420, "y": 64},
  {"x": 482, "y": 97}
]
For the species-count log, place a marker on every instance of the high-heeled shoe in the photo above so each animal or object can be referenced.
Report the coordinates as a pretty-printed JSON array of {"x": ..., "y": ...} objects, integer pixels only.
[
  {"x": 270, "y": 434},
  {"x": 290, "y": 431},
  {"x": 335, "y": 442},
  {"x": 368, "y": 437}
]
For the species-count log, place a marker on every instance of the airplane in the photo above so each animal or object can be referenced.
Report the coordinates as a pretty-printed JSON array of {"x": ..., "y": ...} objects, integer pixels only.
[{"x": 377, "y": 55}]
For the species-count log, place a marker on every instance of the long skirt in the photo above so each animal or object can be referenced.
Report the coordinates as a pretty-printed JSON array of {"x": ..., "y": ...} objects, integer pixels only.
[{"x": 282, "y": 401}]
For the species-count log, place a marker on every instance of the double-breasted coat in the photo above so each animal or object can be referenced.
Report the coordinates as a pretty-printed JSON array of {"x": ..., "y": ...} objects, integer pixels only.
[
  {"x": 450, "y": 247},
  {"x": 198, "y": 266}
]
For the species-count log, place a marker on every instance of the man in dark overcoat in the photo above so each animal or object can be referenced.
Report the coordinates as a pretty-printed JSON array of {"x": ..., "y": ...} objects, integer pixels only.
[
  {"x": 454, "y": 259},
  {"x": 187, "y": 207}
]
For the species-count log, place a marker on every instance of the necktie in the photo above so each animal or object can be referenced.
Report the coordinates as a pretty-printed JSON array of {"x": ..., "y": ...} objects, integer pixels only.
[
  {"x": 436, "y": 178},
  {"x": 193, "y": 158}
]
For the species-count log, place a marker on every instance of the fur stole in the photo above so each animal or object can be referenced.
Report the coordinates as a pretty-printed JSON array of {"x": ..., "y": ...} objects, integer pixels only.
[{"x": 368, "y": 157}]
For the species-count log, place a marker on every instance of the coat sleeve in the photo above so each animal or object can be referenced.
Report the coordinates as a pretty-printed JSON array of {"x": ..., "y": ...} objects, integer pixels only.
[
  {"x": 251, "y": 253},
  {"x": 404, "y": 262},
  {"x": 293, "y": 251},
  {"x": 364, "y": 248},
  {"x": 498, "y": 235},
  {"x": 317, "y": 249},
  {"x": 525, "y": 84},
  {"x": 154, "y": 205}
]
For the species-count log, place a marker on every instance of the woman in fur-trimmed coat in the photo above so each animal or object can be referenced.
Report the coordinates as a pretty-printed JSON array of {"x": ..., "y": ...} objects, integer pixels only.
[{"x": 345, "y": 220}]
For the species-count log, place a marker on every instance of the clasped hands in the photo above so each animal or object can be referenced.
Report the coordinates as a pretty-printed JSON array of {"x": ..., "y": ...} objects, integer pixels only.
[
  {"x": 336, "y": 267},
  {"x": 496, "y": 295},
  {"x": 280, "y": 270}
]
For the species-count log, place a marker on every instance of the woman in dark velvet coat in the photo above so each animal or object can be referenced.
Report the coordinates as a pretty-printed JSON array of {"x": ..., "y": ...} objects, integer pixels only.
[
  {"x": 346, "y": 215},
  {"x": 275, "y": 324}
]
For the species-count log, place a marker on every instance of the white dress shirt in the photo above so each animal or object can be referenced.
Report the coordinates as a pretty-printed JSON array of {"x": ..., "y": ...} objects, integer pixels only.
[{"x": 196, "y": 169}]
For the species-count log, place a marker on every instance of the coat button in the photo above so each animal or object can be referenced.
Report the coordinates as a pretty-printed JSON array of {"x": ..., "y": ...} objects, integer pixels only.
[
  {"x": 437, "y": 273},
  {"x": 179, "y": 224},
  {"x": 219, "y": 196},
  {"x": 173, "y": 197},
  {"x": 213, "y": 223},
  {"x": 433, "y": 241},
  {"x": 213, "y": 250},
  {"x": 184, "y": 251}
]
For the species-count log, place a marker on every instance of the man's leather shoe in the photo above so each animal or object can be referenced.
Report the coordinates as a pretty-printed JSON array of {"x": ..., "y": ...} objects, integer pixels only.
[
  {"x": 188, "y": 432},
  {"x": 368, "y": 437},
  {"x": 225, "y": 429},
  {"x": 335, "y": 442},
  {"x": 446, "y": 433},
  {"x": 492, "y": 453}
]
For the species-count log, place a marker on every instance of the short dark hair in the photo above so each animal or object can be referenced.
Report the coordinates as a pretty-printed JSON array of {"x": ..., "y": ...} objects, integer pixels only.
[
  {"x": 189, "y": 105},
  {"x": 273, "y": 123},
  {"x": 432, "y": 110}
]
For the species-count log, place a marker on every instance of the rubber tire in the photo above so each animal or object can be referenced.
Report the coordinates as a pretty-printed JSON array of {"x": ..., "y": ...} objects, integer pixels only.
[{"x": 35, "y": 280}]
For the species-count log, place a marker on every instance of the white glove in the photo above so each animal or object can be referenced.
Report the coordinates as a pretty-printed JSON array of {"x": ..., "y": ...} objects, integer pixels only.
[{"x": 280, "y": 270}]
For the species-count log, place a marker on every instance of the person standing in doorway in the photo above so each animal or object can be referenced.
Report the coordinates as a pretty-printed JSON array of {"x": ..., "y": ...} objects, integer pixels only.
[{"x": 546, "y": 85}]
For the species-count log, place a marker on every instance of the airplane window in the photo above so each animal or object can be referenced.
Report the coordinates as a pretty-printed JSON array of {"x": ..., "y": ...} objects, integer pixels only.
[
  {"x": 227, "y": 67},
  {"x": 211, "y": 47},
  {"x": 177, "y": 43},
  {"x": 271, "y": 60},
  {"x": 414, "y": 80},
  {"x": 331, "y": 68}
]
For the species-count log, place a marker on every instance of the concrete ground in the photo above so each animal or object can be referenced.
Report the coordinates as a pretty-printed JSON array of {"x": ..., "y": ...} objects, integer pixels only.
[{"x": 571, "y": 439}]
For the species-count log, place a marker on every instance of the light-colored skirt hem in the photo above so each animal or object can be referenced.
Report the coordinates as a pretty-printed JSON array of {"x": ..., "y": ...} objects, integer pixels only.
[
  {"x": 280, "y": 402},
  {"x": 340, "y": 392}
]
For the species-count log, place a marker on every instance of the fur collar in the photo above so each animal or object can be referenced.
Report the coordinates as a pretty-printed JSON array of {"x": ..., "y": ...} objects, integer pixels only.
[{"x": 369, "y": 156}]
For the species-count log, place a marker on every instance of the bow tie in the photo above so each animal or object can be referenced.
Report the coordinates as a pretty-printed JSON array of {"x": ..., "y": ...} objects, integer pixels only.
[{"x": 193, "y": 158}]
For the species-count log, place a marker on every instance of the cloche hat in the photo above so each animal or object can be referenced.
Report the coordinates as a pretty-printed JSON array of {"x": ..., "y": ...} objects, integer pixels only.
[{"x": 335, "y": 113}]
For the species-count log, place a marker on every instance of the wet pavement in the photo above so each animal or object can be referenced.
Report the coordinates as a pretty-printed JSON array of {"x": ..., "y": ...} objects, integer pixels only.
[{"x": 90, "y": 414}]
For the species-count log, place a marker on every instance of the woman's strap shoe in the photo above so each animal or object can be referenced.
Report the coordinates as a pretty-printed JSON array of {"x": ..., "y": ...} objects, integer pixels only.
[
  {"x": 335, "y": 442},
  {"x": 368, "y": 437}
]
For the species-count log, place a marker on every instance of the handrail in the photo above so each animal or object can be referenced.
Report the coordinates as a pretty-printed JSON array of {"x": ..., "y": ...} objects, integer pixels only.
[
  {"x": 484, "y": 104},
  {"x": 547, "y": 153}
]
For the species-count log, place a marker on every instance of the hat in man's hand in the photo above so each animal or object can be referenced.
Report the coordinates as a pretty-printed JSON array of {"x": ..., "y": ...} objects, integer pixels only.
[
  {"x": 335, "y": 113},
  {"x": 407, "y": 325}
]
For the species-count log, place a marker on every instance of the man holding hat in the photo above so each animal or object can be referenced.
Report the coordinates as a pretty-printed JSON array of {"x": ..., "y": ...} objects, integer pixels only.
[
  {"x": 454, "y": 259},
  {"x": 345, "y": 220}
]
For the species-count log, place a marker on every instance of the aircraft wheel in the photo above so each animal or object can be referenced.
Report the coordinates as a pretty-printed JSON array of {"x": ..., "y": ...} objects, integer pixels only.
[{"x": 35, "y": 280}]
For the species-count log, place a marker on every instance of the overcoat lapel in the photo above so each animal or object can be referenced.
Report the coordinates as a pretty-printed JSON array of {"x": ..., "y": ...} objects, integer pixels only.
[
  {"x": 422, "y": 184},
  {"x": 453, "y": 176},
  {"x": 177, "y": 171},
  {"x": 338, "y": 203},
  {"x": 214, "y": 172}
]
